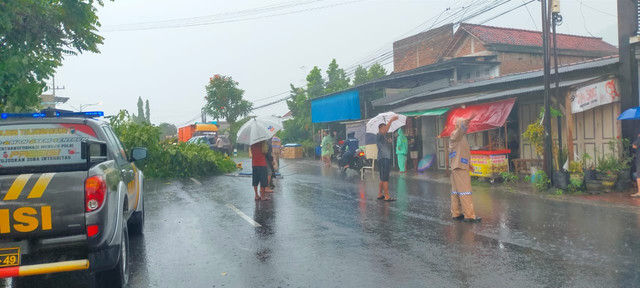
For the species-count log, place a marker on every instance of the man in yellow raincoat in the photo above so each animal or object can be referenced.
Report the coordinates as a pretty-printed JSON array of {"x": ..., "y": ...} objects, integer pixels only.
[{"x": 459, "y": 158}]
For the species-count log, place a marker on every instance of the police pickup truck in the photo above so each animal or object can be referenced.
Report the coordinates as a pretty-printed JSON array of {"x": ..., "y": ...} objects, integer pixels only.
[{"x": 69, "y": 197}]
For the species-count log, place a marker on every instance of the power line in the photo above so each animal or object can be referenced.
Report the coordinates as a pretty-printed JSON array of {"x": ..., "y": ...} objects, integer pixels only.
[
  {"x": 214, "y": 22},
  {"x": 596, "y": 9},
  {"x": 531, "y": 16},
  {"x": 478, "y": 10}
]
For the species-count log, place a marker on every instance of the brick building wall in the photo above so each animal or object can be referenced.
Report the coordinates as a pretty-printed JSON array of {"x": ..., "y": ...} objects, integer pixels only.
[
  {"x": 469, "y": 46},
  {"x": 421, "y": 49},
  {"x": 521, "y": 62}
]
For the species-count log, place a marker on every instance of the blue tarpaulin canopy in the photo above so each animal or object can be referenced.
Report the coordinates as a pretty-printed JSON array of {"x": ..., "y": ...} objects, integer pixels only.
[{"x": 339, "y": 107}]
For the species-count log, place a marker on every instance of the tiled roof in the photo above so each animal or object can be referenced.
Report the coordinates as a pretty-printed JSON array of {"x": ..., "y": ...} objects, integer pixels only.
[{"x": 510, "y": 36}]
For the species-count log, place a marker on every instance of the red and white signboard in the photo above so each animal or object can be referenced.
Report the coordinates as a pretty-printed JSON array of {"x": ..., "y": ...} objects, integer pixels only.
[{"x": 594, "y": 95}]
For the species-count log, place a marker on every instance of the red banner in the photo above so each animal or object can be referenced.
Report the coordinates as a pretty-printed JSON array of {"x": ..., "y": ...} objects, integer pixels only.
[{"x": 487, "y": 116}]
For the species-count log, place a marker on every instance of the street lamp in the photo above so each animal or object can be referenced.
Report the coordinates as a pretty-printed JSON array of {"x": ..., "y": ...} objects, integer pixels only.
[{"x": 82, "y": 106}]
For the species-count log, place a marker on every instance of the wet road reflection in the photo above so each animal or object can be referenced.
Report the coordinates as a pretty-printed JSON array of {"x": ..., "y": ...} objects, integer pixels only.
[{"x": 324, "y": 228}]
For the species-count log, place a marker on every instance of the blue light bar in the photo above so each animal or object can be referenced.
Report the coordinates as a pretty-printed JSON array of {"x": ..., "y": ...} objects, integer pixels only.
[
  {"x": 22, "y": 115},
  {"x": 87, "y": 114}
]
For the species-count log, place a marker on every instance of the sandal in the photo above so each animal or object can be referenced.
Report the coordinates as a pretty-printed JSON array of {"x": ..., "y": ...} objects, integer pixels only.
[
  {"x": 256, "y": 198},
  {"x": 390, "y": 199},
  {"x": 635, "y": 195},
  {"x": 380, "y": 197}
]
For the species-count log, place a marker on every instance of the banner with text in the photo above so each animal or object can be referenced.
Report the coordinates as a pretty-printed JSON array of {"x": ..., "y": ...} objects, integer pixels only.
[{"x": 595, "y": 95}]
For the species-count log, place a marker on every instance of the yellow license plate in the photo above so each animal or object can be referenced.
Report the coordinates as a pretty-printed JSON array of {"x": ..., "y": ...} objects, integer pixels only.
[{"x": 9, "y": 257}]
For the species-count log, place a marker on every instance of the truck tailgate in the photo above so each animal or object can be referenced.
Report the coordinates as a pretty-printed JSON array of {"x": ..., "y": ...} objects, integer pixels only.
[{"x": 42, "y": 205}]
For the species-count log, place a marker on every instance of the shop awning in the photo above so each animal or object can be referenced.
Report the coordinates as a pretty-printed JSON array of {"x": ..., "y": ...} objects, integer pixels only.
[
  {"x": 432, "y": 112},
  {"x": 339, "y": 107},
  {"x": 487, "y": 116}
]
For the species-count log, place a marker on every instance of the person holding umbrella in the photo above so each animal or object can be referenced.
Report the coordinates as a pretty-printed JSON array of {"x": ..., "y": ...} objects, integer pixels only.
[
  {"x": 256, "y": 132},
  {"x": 382, "y": 124},
  {"x": 636, "y": 146},
  {"x": 459, "y": 157}
]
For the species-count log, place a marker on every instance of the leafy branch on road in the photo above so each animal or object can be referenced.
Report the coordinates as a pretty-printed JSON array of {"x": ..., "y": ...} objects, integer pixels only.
[{"x": 168, "y": 160}]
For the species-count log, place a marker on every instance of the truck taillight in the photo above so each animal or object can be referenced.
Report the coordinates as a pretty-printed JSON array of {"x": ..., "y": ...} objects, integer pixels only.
[{"x": 95, "y": 189}]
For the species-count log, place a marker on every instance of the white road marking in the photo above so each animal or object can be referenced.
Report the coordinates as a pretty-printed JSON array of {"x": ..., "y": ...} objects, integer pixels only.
[
  {"x": 244, "y": 216},
  {"x": 196, "y": 181}
]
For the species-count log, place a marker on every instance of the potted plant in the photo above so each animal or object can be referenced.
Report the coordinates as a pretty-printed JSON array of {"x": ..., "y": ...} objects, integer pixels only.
[
  {"x": 626, "y": 157},
  {"x": 608, "y": 169},
  {"x": 575, "y": 171}
]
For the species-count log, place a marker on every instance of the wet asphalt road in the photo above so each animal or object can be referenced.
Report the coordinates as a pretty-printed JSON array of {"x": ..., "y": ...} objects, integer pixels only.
[{"x": 325, "y": 229}]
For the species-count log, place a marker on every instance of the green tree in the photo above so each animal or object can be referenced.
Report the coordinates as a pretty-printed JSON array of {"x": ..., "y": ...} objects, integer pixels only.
[
  {"x": 139, "y": 118},
  {"x": 147, "y": 111},
  {"x": 315, "y": 83},
  {"x": 35, "y": 35},
  {"x": 224, "y": 99},
  {"x": 337, "y": 79},
  {"x": 376, "y": 71},
  {"x": 168, "y": 130},
  {"x": 360, "y": 76},
  {"x": 298, "y": 128}
]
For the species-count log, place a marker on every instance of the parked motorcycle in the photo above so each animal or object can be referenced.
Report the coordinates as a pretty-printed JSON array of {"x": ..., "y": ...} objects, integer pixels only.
[{"x": 357, "y": 161}]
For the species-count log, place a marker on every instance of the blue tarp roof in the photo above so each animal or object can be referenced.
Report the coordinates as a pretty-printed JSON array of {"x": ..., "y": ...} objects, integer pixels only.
[{"x": 339, "y": 107}]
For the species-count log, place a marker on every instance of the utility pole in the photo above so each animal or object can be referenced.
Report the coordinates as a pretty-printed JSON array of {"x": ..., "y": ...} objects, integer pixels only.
[
  {"x": 54, "y": 87},
  {"x": 548, "y": 162},
  {"x": 557, "y": 20}
]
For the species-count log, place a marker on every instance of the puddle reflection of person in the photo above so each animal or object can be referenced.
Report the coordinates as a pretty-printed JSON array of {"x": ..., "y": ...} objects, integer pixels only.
[{"x": 636, "y": 146}]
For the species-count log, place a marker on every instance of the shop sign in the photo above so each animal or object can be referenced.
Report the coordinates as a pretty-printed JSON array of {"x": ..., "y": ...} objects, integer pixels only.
[
  {"x": 489, "y": 165},
  {"x": 595, "y": 95}
]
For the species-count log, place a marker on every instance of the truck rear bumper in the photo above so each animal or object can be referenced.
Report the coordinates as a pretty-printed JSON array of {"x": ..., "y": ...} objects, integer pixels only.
[{"x": 48, "y": 268}]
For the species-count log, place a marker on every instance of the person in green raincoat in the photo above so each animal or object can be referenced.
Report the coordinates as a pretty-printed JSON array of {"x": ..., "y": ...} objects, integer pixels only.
[
  {"x": 327, "y": 148},
  {"x": 402, "y": 148}
]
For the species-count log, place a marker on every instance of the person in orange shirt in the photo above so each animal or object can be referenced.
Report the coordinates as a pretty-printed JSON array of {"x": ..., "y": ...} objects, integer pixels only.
[
  {"x": 259, "y": 173},
  {"x": 459, "y": 157}
]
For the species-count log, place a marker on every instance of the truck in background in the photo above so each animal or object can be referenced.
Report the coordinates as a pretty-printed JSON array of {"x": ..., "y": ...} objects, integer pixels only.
[{"x": 198, "y": 129}]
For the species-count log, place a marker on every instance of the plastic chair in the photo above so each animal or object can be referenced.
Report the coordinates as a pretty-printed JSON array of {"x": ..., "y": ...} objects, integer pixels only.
[{"x": 371, "y": 153}]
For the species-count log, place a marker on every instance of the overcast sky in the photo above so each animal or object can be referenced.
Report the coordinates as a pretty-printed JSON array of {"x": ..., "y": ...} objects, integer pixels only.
[{"x": 170, "y": 67}]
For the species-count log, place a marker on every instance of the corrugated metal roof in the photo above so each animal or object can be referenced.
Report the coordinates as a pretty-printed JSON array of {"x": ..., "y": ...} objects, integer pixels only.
[
  {"x": 467, "y": 99},
  {"x": 510, "y": 78},
  {"x": 390, "y": 100}
]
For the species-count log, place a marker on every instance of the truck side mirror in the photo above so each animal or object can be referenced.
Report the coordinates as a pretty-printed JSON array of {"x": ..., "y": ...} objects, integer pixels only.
[
  {"x": 94, "y": 152},
  {"x": 138, "y": 153}
]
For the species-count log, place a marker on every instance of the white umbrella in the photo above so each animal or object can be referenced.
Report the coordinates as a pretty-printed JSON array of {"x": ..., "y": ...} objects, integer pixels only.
[
  {"x": 383, "y": 118},
  {"x": 259, "y": 129}
]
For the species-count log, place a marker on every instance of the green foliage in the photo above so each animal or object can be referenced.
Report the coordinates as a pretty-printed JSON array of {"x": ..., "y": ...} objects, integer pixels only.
[
  {"x": 362, "y": 76},
  {"x": 168, "y": 159},
  {"x": 509, "y": 177},
  {"x": 224, "y": 99},
  {"x": 35, "y": 35},
  {"x": 315, "y": 84},
  {"x": 558, "y": 192},
  {"x": 337, "y": 78},
  {"x": 535, "y": 135},
  {"x": 233, "y": 133},
  {"x": 575, "y": 167},
  {"x": 575, "y": 185},
  {"x": 298, "y": 128},
  {"x": 147, "y": 112},
  {"x": 167, "y": 130},
  {"x": 613, "y": 162},
  {"x": 541, "y": 181}
]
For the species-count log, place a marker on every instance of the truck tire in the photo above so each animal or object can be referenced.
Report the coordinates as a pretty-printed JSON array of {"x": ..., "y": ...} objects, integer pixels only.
[{"x": 118, "y": 277}]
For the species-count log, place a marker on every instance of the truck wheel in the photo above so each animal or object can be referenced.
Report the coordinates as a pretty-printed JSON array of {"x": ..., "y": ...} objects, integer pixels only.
[{"x": 119, "y": 275}]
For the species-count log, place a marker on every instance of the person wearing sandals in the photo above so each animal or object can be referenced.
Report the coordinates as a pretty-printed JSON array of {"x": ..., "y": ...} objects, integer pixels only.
[
  {"x": 459, "y": 157},
  {"x": 384, "y": 159},
  {"x": 636, "y": 146},
  {"x": 259, "y": 173}
]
